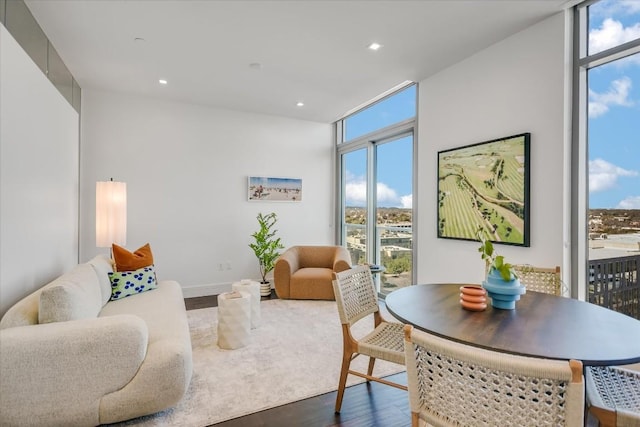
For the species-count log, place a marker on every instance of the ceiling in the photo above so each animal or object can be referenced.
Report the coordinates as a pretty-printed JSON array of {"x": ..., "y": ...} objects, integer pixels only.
[{"x": 310, "y": 51}]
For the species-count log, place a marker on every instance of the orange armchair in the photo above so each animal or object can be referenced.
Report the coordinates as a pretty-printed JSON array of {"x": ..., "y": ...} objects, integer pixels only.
[{"x": 306, "y": 272}]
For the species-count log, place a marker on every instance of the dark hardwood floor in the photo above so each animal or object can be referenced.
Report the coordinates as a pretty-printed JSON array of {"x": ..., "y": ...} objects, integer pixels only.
[{"x": 363, "y": 405}]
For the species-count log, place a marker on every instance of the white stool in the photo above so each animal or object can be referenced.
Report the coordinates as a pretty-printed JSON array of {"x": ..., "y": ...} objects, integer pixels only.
[
  {"x": 234, "y": 320},
  {"x": 252, "y": 288}
]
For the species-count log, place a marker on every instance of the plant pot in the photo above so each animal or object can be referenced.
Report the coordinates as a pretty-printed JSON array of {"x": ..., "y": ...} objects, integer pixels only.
[
  {"x": 265, "y": 289},
  {"x": 473, "y": 298},
  {"x": 503, "y": 293}
]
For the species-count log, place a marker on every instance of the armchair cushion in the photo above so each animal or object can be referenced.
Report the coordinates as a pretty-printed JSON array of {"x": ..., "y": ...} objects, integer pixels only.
[{"x": 306, "y": 272}]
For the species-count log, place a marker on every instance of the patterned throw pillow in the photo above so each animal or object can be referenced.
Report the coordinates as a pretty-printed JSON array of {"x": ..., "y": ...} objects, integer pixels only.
[{"x": 126, "y": 283}]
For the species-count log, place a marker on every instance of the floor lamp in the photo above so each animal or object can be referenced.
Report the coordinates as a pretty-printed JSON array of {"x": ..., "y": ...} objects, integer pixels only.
[{"x": 111, "y": 213}]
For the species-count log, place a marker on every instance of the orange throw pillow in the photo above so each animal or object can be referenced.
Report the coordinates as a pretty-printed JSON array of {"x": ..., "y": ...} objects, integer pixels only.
[{"x": 127, "y": 261}]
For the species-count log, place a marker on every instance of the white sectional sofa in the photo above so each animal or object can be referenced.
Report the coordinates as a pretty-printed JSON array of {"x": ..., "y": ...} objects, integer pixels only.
[{"x": 71, "y": 357}]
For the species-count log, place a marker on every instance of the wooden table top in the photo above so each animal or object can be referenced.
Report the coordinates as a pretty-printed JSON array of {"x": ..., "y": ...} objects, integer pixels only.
[{"x": 541, "y": 325}]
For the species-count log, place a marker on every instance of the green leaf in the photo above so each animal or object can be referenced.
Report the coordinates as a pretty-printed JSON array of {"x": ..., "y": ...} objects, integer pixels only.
[
  {"x": 266, "y": 245},
  {"x": 488, "y": 247},
  {"x": 505, "y": 272},
  {"x": 498, "y": 262}
]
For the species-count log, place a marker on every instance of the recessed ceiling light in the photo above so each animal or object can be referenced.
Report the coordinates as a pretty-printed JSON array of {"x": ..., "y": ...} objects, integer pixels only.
[
  {"x": 162, "y": 82},
  {"x": 374, "y": 46},
  {"x": 255, "y": 66},
  {"x": 139, "y": 40},
  {"x": 300, "y": 104}
]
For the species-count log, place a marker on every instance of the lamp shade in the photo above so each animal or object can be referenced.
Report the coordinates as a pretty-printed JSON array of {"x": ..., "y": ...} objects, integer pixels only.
[{"x": 111, "y": 213}]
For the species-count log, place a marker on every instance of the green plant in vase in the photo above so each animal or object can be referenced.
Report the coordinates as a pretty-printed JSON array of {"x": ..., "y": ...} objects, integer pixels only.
[
  {"x": 502, "y": 284},
  {"x": 493, "y": 260},
  {"x": 266, "y": 247}
]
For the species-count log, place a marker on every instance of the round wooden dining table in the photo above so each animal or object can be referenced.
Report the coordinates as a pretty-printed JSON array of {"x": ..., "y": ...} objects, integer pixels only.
[{"x": 541, "y": 325}]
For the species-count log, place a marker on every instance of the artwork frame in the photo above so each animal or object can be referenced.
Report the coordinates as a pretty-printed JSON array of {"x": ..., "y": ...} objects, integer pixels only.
[
  {"x": 274, "y": 189},
  {"x": 486, "y": 186}
]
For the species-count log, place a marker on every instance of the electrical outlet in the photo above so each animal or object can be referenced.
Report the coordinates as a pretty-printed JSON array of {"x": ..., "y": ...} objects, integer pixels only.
[
  {"x": 220, "y": 266},
  {"x": 228, "y": 265}
]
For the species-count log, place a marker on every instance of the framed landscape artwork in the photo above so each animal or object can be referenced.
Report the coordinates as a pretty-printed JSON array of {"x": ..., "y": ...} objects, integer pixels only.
[
  {"x": 273, "y": 189},
  {"x": 484, "y": 187}
]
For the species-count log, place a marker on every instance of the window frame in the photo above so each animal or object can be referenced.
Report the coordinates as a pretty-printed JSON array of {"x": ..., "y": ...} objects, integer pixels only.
[
  {"x": 579, "y": 202},
  {"x": 369, "y": 141}
]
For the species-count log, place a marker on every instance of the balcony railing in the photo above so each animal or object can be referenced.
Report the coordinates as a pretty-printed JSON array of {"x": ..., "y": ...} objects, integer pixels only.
[
  {"x": 392, "y": 242},
  {"x": 614, "y": 284}
]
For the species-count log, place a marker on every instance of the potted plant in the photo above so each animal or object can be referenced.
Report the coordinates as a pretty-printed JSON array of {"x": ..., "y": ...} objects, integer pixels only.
[
  {"x": 266, "y": 246},
  {"x": 501, "y": 283},
  {"x": 494, "y": 261}
]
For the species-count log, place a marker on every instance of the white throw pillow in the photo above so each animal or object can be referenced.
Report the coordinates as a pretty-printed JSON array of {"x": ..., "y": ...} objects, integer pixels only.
[
  {"x": 72, "y": 296},
  {"x": 103, "y": 266}
]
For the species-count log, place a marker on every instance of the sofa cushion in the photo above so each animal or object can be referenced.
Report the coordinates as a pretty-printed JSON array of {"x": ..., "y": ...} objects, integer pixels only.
[
  {"x": 127, "y": 283},
  {"x": 130, "y": 261},
  {"x": 72, "y": 296},
  {"x": 103, "y": 266}
]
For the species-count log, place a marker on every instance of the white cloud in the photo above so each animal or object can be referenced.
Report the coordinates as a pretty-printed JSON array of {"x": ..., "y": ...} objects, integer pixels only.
[
  {"x": 611, "y": 33},
  {"x": 407, "y": 201},
  {"x": 631, "y": 202},
  {"x": 617, "y": 94},
  {"x": 387, "y": 195},
  {"x": 604, "y": 175},
  {"x": 356, "y": 194}
]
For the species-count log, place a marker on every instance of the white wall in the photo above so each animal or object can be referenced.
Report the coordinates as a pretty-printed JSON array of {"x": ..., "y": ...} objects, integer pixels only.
[
  {"x": 186, "y": 169},
  {"x": 38, "y": 177},
  {"x": 515, "y": 86}
]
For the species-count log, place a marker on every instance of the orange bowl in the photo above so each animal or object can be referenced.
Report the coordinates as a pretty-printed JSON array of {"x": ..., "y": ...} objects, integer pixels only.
[
  {"x": 473, "y": 290},
  {"x": 473, "y": 298},
  {"x": 473, "y": 306}
]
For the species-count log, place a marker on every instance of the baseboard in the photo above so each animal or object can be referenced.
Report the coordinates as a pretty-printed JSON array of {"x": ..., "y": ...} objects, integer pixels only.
[{"x": 194, "y": 291}]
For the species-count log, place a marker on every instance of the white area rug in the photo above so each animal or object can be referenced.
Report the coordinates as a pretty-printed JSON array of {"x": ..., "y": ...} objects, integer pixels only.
[{"x": 295, "y": 354}]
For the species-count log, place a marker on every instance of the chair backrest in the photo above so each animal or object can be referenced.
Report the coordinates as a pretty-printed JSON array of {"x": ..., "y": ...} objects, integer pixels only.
[
  {"x": 616, "y": 390},
  {"x": 316, "y": 256},
  {"x": 540, "y": 279},
  {"x": 355, "y": 293},
  {"x": 451, "y": 383}
]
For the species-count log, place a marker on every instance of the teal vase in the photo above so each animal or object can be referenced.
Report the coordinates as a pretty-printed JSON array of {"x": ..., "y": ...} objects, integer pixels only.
[{"x": 503, "y": 293}]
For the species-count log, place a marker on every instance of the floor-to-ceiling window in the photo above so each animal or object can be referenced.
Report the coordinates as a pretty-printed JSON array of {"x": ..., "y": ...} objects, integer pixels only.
[
  {"x": 376, "y": 157},
  {"x": 607, "y": 154}
]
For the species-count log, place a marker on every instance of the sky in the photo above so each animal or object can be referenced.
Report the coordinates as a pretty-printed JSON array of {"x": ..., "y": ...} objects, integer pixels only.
[
  {"x": 614, "y": 108},
  {"x": 614, "y": 123},
  {"x": 394, "y": 158}
]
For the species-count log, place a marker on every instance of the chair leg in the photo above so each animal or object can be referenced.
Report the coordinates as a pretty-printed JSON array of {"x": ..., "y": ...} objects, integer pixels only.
[
  {"x": 604, "y": 417},
  {"x": 415, "y": 419},
  {"x": 372, "y": 361},
  {"x": 344, "y": 372}
]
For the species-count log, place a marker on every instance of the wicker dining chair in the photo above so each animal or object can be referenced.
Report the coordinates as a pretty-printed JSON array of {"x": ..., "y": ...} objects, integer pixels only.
[
  {"x": 454, "y": 384},
  {"x": 356, "y": 298},
  {"x": 540, "y": 279},
  {"x": 613, "y": 395}
]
